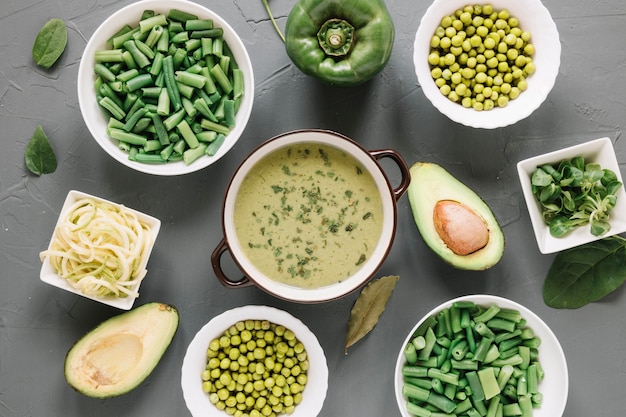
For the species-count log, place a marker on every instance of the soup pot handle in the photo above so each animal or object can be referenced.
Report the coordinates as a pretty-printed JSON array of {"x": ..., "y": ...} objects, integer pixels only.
[
  {"x": 216, "y": 258},
  {"x": 404, "y": 169}
]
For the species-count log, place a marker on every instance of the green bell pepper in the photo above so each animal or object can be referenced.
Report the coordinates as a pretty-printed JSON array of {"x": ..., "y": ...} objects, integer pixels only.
[{"x": 341, "y": 42}]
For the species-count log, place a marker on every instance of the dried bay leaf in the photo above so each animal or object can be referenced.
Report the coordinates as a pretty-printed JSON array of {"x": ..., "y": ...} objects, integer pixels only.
[{"x": 368, "y": 308}]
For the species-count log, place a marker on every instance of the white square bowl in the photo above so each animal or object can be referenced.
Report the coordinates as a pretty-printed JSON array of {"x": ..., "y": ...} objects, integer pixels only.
[
  {"x": 600, "y": 151},
  {"x": 49, "y": 275}
]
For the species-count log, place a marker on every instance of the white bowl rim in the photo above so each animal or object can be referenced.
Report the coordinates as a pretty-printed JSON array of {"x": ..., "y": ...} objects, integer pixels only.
[
  {"x": 194, "y": 360},
  {"x": 598, "y": 150},
  {"x": 331, "y": 292},
  {"x": 94, "y": 116},
  {"x": 556, "y": 367},
  {"x": 534, "y": 16},
  {"x": 49, "y": 276}
]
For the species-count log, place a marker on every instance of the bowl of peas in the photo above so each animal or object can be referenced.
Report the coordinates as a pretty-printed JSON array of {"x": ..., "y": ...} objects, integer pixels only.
[
  {"x": 481, "y": 355},
  {"x": 254, "y": 360},
  {"x": 165, "y": 87},
  {"x": 487, "y": 65}
]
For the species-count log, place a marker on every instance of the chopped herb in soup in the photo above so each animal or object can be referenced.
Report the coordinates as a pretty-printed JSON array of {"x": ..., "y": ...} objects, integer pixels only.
[{"x": 308, "y": 215}]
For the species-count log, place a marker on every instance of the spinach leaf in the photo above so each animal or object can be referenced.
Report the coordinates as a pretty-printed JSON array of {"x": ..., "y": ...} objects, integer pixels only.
[
  {"x": 50, "y": 43},
  {"x": 39, "y": 155},
  {"x": 586, "y": 273}
]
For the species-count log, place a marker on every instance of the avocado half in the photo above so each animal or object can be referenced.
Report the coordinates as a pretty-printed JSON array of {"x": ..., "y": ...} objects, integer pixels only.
[
  {"x": 120, "y": 353},
  {"x": 432, "y": 184}
]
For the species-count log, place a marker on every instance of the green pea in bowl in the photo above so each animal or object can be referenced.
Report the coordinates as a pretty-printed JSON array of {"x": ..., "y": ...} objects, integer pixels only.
[
  {"x": 194, "y": 52},
  {"x": 217, "y": 389},
  {"x": 529, "y": 374},
  {"x": 449, "y": 78}
]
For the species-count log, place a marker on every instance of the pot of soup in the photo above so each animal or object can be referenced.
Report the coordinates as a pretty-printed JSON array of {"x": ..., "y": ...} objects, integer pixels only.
[{"x": 309, "y": 216}]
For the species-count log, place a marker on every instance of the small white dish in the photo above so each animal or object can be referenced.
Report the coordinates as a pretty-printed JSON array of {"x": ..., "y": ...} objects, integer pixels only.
[
  {"x": 49, "y": 275},
  {"x": 195, "y": 360},
  {"x": 554, "y": 386},
  {"x": 600, "y": 151},
  {"x": 534, "y": 17}
]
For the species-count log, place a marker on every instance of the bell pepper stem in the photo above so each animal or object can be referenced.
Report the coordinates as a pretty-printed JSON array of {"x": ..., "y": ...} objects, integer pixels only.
[
  {"x": 269, "y": 13},
  {"x": 336, "y": 37}
]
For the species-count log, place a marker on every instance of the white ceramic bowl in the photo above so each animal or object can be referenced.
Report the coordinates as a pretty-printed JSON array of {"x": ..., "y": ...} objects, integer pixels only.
[
  {"x": 49, "y": 276},
  {"x": 600, "y": 151},
  {"x": 532, "y": 16},
  {"x": 195, "y": 360},
  {"x": 95, "y": 117},
  {"x": 389, "y": 196},
  {"x": 555, "y": 384}
]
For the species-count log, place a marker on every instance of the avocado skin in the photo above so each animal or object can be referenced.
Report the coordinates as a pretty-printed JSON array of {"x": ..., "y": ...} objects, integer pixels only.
[
  {"x": 123, "y": 350},
  {"x": 431, "y": 183}
]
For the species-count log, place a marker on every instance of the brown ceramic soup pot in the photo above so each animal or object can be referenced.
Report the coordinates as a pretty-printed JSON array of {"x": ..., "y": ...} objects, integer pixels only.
[{"x": 252, "y": 275}]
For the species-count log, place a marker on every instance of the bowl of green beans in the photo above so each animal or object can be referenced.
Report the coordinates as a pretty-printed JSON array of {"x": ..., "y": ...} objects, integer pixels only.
[
  {"x": 254, "y": 360},
  {"x": 481, "y": 355},
  {"x": 165, "y": 87},
  {"x": 487, "y": 64}
]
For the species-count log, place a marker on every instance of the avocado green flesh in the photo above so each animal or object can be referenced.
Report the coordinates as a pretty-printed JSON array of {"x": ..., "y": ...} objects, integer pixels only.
[
  {"x": 431, "y": 183},
  {"x": 120, "y": 353}
]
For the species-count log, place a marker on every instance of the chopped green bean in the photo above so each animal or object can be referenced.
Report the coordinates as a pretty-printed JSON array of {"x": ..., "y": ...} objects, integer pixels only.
[
  {"x": 209, "y": 125},
  {"x": 170, "y": 77},
  {"x": 128, "y": 137},
  {"x": 112, "y": 107},
  {"x": 214, "y": 146},
  {"x": 140, "y": 81},
  {"x": 104, "y": 72},
  {"x": 110, "y": 55},
  {"x": 473, "y": 368},
  {"x": 410, "y": 353}
]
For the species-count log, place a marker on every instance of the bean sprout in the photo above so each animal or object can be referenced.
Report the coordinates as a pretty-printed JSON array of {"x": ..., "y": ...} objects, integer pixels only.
[{"x": 101, "y": 249}]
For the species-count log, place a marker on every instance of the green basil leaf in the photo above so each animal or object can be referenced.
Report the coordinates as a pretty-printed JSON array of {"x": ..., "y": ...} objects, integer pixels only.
[
  {"x": 50, "y": 43},
  {"x": 613, "y": 187},
  {"x": 608, "y": 177},
  {"x": 368, "y": 308},
  {"x": 593, "y": 172},
  {"x": 541, "y": 178},
  {"x": 586, "y": 273},
  {"x": 39, "y": 155},
  {"x": 568, "y": 201},
  {"x": 599, "y": 227},
  {"x": 559, "y": 226},
  {"x": 578, "y": 162}
]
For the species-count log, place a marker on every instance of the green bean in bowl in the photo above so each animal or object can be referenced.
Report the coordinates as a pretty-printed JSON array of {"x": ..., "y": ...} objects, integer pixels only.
[
  {"x": 481, "y": 355},
  {"x": 165, "y": 87},
  {"x": 254, "y": 361}
]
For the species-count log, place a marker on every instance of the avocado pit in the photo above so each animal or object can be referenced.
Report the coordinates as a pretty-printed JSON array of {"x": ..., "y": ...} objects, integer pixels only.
[{"x": 461, "y": 228}]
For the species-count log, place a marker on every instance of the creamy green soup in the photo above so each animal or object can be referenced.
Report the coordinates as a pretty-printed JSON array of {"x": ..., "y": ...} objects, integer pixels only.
[{"x": 308, "y": 215}]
